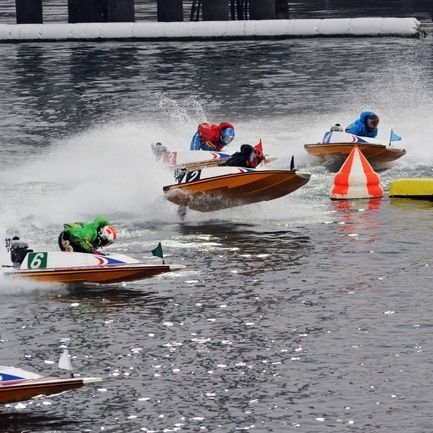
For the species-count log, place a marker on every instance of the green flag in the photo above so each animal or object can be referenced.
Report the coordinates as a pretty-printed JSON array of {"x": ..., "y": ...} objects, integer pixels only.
[{"x": 158, "y": 251}]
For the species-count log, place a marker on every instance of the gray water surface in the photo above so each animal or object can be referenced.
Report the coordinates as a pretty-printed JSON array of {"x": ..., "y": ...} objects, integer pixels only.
[{"x": 299, "y": 314}]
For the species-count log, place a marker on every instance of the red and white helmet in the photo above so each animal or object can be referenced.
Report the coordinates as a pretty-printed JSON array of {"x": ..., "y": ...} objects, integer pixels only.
[{"x": 107, "y": 235}]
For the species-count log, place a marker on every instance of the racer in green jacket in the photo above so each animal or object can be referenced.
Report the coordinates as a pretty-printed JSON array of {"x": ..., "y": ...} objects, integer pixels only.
[{"x": 87, "y": 237}]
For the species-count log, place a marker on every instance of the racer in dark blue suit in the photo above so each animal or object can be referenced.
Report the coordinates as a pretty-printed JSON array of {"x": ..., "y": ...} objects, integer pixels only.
[{"x": 365, "y": 126}]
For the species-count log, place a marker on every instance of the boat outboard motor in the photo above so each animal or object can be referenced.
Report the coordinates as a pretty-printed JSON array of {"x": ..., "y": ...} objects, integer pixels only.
[
  {"x": 179, "y": 174},
  {"x": 336, "y": 128},
  {"x": 158, "y": 150},
  {"x": 19, "y": 250}
]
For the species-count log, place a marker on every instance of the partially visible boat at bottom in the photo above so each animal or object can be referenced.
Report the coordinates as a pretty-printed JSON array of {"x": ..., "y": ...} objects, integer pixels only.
[
  {"x": 17, "y": 384},
  {"x": 216, "y": 188}
]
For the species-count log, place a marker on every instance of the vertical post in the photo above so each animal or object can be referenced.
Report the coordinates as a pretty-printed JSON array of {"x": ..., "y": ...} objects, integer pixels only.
[
  {"x": 241, "y": 9},
  {"x": 282, "y": 9},
  {"x": 170, "y": 10},
  {"x": 96, "y": 11},
  {"x": 262, "y": 9},
  {"x": 81, "y": 11},
  {"x": 120, "y": 11},
  {"x": 29, "y": 11},
  {"x": 101, "y": 11},
  {"x": 215, "y": 10}
]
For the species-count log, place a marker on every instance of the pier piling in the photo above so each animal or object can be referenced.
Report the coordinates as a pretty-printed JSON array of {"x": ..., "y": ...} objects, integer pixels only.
[
  {"x": 96, "y": 11},
  {"x": 170, "y": 10},
  {"x": 282, "y": 9},
  {"x": 29, "y": 11},
  {"x": 121, "y": 11},
  {"x": 262, "y": 9},
  {"x": 81, "y": 11},
  {"x": 215, "y": 10}
]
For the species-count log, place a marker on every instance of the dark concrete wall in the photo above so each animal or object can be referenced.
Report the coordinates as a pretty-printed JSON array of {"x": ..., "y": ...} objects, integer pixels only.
[
  {"x": 262, "y": 9},
  {"x": 170, "y": 10},
  {"x": 215, "y": 10},
  {"x": 97, "y": 11},
  {"x": 29, "y": 11}
]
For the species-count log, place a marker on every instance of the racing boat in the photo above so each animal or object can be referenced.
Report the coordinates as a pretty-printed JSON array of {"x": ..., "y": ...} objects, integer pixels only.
[
  {"x": 336, "y": 146},
  {"x": 75, "y": 268},
  {"x": 216, "y": 188},
  {"x": 17, "y": 384}
]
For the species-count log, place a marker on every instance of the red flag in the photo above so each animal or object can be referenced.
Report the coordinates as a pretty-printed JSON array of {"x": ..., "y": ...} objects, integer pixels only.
[{"x": 259, "y": 146}]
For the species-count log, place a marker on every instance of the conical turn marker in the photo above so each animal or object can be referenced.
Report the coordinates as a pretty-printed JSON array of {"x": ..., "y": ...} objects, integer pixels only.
[{"x": 356, "y": 179}]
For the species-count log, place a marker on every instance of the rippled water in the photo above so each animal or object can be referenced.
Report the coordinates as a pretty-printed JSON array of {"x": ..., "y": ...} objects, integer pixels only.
[{"x": 299, "y": 314}]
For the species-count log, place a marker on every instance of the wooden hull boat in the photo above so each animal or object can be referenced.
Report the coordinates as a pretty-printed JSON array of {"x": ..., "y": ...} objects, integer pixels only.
[
  {"x": 75, "y": 268},
  {"x": 31, "y": 388},
  {"x": 19, "y": 385},
  {"x": 225, "y": 187},
  {"x": 335, "y": 149},
  {"x": 95, "y": 275}
]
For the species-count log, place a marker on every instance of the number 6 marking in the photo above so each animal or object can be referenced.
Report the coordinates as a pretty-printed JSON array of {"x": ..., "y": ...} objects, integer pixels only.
[{"x": 37, "y": 260}]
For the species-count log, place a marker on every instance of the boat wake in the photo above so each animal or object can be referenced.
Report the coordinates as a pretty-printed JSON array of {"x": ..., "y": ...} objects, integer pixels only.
[
  {"x": 17, "y": 287},
  {"x": 110, "y": 170}
]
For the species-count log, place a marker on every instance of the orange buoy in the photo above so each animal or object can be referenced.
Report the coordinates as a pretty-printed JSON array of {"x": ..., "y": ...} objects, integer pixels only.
[{"x": 356, "y": 179}]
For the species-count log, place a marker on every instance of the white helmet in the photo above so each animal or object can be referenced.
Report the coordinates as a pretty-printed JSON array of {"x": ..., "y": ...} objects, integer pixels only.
[{"x": 107, "y": 235}]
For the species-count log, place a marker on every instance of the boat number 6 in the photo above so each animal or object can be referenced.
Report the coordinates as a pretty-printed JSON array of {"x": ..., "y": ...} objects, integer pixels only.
[
  {"x": 37, "y": 260},
  {"x": 192, "y": 176}
]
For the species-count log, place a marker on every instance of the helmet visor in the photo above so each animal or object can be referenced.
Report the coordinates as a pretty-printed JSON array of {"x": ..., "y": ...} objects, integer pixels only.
[{"x": 227, "y": 135}]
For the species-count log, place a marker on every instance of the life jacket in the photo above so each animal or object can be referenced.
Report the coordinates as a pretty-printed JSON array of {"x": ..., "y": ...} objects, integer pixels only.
[
  {"x": 360, "y": 127},
  {"x": 85, "y": 234},
  {"x": 211, "y": 133}
]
